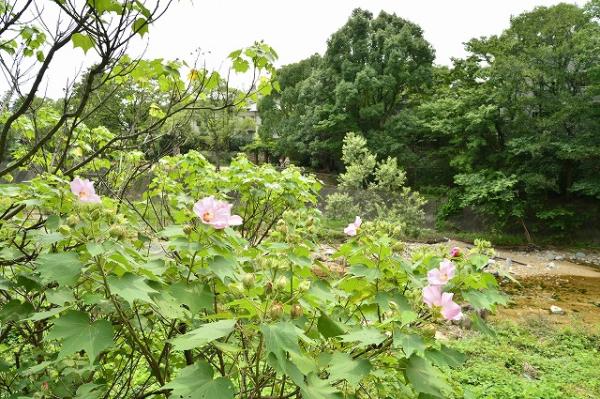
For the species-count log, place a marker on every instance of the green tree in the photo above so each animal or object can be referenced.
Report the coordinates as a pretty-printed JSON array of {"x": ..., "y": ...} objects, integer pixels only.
[
  {"x": 525, "y": 103},
  {"x": 369, "y": 73}
]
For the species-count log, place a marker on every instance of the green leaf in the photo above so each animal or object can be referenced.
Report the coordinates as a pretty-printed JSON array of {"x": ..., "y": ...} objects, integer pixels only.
[
  {"x": 480, "y": 325},
  {"x": 14, "y": 310},
  {"x": 364, "y": 337},
  {"x": 196, "y": 296},
  {"x": 52, "y": 222},
  {"x": 343, "y": 367},
  {"x": 479, "y": 261},
  {"x": 424, "y": 378},
  {"x": 37, "y": 368},
  {"x": 222, "y": 267},
  {"x": 240, "y": 65},
  {"x": 484, "y": 299},
  {"x": 77, "y": 333},
  {"x": 317, "y": 388},
  {"x": 445, "y": 356},
  {"x": 89, "y": 391},
  {"x": 49, "y": 238},
  {"x": 94, "y": 249},
  {"x": 329, "y": 327},
  {"x": 235, "y": 54},
  {"x": 196, "y": 382},
  {"x": 156, "y": 112},
  {"x": 59, "y": 296},
  {"x": 46, "y": 314},
  {"x": 140, "y": 26},
  {"x": 63, "y": 267},
  {"x": 5, "y": 284},
  {"x": 131, "y": 287},
  {"x": 82, "y": 41},
  {"x": 370, "y": 274},
  {"x": 103, "y": 6},
  {"x": 281, "y": 338},
  {"x": 408, "y": 317},
  {"x": 410, "y": 343},
  {"x": 203, "y": 335}
]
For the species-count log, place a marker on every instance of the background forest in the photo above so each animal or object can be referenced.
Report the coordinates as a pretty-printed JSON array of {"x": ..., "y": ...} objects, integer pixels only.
[{"x": 510, "y": 131}]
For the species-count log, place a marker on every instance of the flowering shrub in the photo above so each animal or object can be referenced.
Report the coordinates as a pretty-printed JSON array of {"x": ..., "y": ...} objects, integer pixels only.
[
  {"x": 263, "y": 193},
  {"x": 101, "y": 300}
]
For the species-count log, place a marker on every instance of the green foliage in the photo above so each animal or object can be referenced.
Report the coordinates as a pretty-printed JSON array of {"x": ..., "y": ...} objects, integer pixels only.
[
  {"x": 564, "y": 363},
  {"x": 510, "y": 130},
  {"x": 143, "y": 298},
  {"x": 371, "y": 68},
  {"x": 341, "y": 206},
  {"x": 491, "y": 193},
  {"x": 263, "y": 193},
  {"x": 375, "y": 189}
]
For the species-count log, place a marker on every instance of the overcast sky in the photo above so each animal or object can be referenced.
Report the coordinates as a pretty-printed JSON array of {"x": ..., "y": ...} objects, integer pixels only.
[{"x": 297, "y": 29}]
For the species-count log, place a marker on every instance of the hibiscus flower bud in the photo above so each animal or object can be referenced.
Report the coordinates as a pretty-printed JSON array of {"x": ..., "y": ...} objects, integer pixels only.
[
  {"x": 117, "y": 231},
  {"x": 73, "y": 220},
  {"x": 131, "y": 235},
  {"x": 268, "y": 287},
  {"x": 276, "y": 310},
  {"x": 455, "y": 252},
  {"x": 96, "y": 213},
  {"x": 109, "y": 213},
  {"x": 304, "y": 286},
  {"x": 281, "y": 283},
  {"x": 398, "y": 246},
  {"x": 296, "y": 311},
  {"x": 248, "y": 280},
  {"x": 187, "y": 229},
  {"x": 281, "y": 227}
]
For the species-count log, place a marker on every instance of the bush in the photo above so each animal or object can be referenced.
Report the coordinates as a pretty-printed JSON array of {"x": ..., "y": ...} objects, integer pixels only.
[
  {"x": 175, "y": 296},
  {"x": 341, "y": 206},
  {"x": 375, "y": 189}
]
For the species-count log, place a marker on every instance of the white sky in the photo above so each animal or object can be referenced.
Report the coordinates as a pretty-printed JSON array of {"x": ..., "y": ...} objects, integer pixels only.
[{"x": 297, "y": 29}]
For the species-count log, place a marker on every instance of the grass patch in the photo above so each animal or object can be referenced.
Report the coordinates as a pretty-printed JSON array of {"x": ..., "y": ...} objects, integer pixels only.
[{"x": 534, "y": 361}]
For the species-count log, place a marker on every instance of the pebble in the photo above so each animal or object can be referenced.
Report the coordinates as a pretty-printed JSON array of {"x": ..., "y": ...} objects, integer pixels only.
[
  {"x": 551, "y": 266},
  {"x": 556, "y": 310},
  {"x": 580, "y": 255}
]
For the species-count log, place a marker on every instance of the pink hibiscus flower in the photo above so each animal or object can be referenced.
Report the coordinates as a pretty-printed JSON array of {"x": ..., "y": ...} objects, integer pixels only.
[
  {"x": 84, "y": 190},
  {"x": 435, "y": 298},
  {"x": 443, "y": 274},
  {"x": 216, "y": 213},
  {"x": 352, "y": 228},
  {"x": 455, "y": 252}
]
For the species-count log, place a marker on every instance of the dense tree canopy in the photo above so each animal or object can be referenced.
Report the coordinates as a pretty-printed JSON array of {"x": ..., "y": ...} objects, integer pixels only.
[
  {"x": 513, "y": 127},
  {"x": 370, "y": 69}
]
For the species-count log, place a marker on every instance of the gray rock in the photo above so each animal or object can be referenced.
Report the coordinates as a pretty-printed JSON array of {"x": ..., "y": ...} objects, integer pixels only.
[
  {"x": 556, "y": 310},
  {"x": 549, "y": 255},
  {"x": 580, "y": 255},
  {"x": 551, "y": 266},
  {"x": 559, "y": 257}
]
